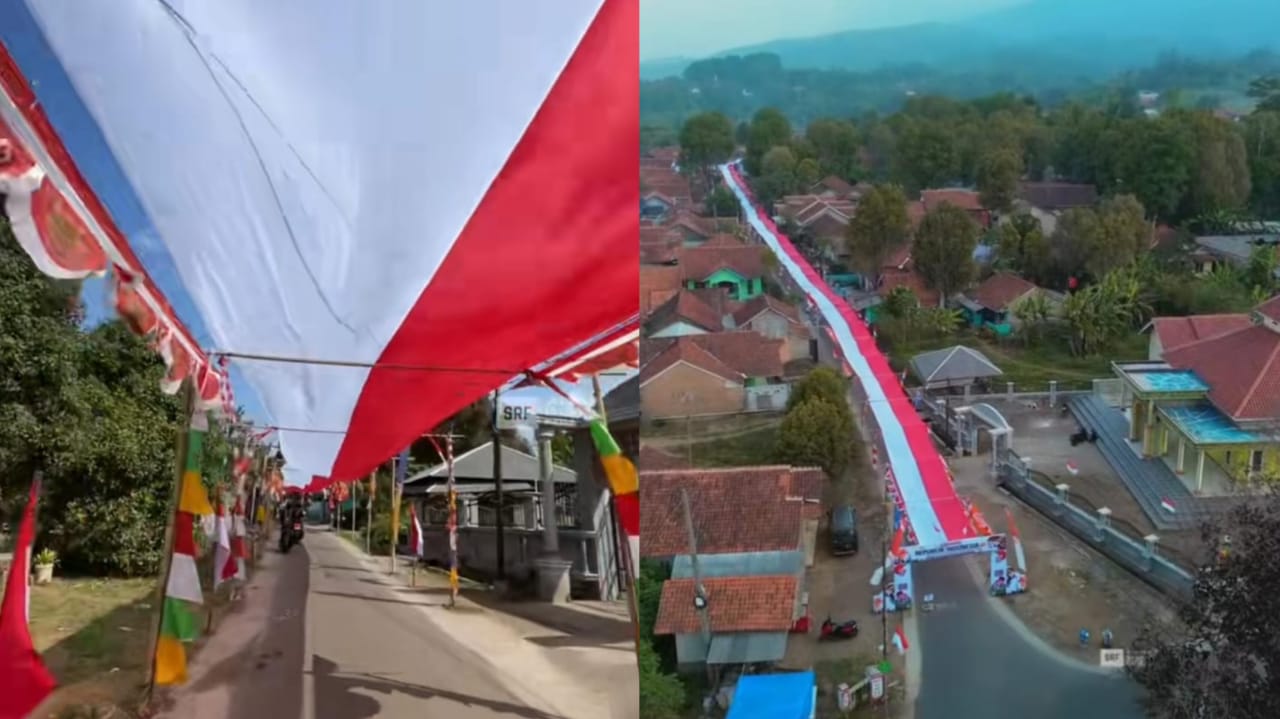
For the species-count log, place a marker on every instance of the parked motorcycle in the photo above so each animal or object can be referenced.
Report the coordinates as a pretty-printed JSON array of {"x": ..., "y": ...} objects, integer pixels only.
[
  {"x": 291, "y": 536},
  {"x": 844, "y": 630}
]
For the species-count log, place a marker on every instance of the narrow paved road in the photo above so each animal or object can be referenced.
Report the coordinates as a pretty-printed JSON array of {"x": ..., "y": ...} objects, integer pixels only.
[
  {"x": 976, "y": 665},
  {"x": 327, "y": 640}
]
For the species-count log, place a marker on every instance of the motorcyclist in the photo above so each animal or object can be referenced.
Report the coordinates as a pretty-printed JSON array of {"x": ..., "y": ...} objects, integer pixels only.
[{"x": 290, "y": 514}]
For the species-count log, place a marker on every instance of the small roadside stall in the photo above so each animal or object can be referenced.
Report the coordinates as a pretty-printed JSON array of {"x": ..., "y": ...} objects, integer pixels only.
[{"x": 775, "y": 696}]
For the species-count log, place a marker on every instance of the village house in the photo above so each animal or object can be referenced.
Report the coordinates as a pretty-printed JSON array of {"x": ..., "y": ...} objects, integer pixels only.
[
  {"x": 993, "y": 302},
  {"x": 1212, "y": 385},
  {"x": 754, "y": 574},
  {"x": 1212, "y": 251},
  {"x": 1046, "y": 201},
  {"x": 581, "y": 518},
  {"x": 716, "y": 373},
  {"x": 695, "y": 312},
  {"x": 729, "y": 264},
  {"x": 966, "y": 200}
]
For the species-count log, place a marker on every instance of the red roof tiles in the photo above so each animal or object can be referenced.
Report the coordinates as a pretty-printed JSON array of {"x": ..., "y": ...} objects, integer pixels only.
[
  {"x": 1174, "y": 332},
  {"x": 739, "y": 509},
  {"x": 683, "y": 349},
  {"x": 911, "y": 280},
  {"x": 657, "y": 284},
  {"x": 1000, "y": 290},
  {"x": 699, "y": 263},
  {"x": 1242, "y": 369},
  {"x": 963, "y": 199},
  {"x": 763, "y": 303},
  {"x": 685, "y": 306},
  {"x": 735, "y": 604},
  {"x": 1057, "y": 195}
]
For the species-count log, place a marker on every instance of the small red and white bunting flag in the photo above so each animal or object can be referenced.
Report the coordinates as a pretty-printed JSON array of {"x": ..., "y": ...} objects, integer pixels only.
[{"x": 1167, "y": 505}]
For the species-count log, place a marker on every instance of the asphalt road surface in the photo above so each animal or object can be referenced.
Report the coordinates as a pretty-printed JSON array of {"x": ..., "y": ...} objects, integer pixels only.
[
  {"x": 976, "y": 665},
  {"x": 327, "y": 640}
]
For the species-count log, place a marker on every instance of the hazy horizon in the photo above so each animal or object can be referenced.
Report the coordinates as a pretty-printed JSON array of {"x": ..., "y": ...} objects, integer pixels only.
[{"x": 698, "y": 28}]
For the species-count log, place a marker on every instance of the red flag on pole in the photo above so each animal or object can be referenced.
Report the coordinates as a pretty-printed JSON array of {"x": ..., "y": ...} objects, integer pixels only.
[{"x": 24, "y": 680}]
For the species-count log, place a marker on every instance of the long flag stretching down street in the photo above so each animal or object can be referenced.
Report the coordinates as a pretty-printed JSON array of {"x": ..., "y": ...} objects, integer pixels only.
[
  {"x": 24, "y": 680},
  {"x": 625, "y": 485},
  {"x": 359, "y": 227}
]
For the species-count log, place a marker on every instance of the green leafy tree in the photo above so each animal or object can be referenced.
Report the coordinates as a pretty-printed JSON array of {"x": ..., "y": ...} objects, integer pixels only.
[
  {"x": 1217, "y": 658},
  {"x": 823, "y": 383},
  {"x": 1221, "y": 180},
  {"x": 900, "y": 302},
  {"x": 998, "y": 176},
  {"x": 928, "y": 154},
  {"x": 769, "y": 128},
  {"x": 1153, "y": 160},
  {"x": 721, "y": 202},
  {"x": 777, "y": 175},
  {"x": 816, "y": 433},
  {"x": 879, "y": 227},
  {"x": 706, "y": 139},
  {"x": 1095, "y": 242},
  {"x": 1022, "y": 246},
  {"x": 943, "y": 249},
  {"x": 1265, "y": 91},
  {"x": 1262, "y": 141},
  {"x": 835, "y": 143},
  {"x": 662, "y": 696}
]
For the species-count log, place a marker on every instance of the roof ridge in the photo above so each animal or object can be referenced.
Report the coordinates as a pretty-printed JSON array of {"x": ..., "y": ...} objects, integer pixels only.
[{"x": 1214, "y": 338}]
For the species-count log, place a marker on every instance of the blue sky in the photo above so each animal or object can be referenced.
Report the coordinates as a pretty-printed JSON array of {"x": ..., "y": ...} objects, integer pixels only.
[
  {"x": 21, "y": 35},
  {"x": 695, "y": 28}
]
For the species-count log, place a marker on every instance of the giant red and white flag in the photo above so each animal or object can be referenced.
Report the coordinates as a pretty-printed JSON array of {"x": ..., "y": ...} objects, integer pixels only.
[{"x": 456, "y": 188}]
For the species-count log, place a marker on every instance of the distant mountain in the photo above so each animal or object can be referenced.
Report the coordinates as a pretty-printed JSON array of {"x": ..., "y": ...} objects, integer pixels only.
[
  {"x": 1064, "y": 38},
  {"x": 664, "y": 67}
]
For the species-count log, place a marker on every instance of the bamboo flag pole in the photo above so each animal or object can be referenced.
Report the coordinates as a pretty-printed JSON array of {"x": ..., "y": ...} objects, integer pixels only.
[
  {"x": 453, "y": 523},
  {"x": 368, "y": 513},
  {"x": 624, "y": 547},
  {"x": 166, "y": 560},
  {"x": 395, "y": 516}
]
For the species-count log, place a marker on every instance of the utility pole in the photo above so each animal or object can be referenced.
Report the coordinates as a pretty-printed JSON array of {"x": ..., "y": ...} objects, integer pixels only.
[
  {"x": 699, "y": 591},
  {"x": 497, "y": 487},
  {"x": 368, "y": 512},
  {"x": 885, "y": 577}
]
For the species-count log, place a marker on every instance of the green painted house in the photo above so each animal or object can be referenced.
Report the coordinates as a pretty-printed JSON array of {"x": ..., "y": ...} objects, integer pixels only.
[{"x": 725, "y": 263}]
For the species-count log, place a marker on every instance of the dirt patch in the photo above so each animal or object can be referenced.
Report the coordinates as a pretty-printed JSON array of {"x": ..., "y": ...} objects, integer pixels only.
[{"x": 1072, "y": 587}]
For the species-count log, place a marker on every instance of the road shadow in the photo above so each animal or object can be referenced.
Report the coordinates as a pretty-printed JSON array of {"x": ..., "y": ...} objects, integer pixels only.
[
  {"x": 336, "y": 695},
  {"x": 582, "y": 628}
]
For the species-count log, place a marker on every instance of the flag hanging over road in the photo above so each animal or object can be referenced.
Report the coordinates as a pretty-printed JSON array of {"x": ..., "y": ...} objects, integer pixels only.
[
  {"x": 900, "y": 640},
  {"x": 24, "y": 680},
  {"x": 366, "y": 212}
]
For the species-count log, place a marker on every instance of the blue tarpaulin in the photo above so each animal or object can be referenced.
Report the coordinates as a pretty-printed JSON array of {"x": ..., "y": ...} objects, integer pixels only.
[{"x": 773, "y": 696}]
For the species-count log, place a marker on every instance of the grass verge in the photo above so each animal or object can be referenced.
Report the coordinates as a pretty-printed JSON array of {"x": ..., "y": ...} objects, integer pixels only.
[{"x": 93, "y": 635}]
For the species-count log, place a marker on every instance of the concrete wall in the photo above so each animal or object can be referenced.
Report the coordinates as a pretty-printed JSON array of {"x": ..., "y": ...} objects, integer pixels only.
[{"x": 685, "y": 390}]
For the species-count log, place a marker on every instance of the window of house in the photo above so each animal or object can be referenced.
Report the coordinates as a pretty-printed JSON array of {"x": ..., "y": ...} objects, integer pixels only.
[{"x": 1255, "y": 460}]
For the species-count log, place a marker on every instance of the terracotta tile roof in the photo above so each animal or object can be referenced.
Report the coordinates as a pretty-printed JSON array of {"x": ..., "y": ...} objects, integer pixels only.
[
  {"x": 1242, "y": 369},
  {"x": 699, "y": 263},
  {"x": 737, "y": 509},
  {"x": 735, "y": 604},
  {"x": 657, "y": 284},
  {"x": 745, "y": 351},
  {"x": 1163, "y": 236},
  {"x": 833, "y": 184},
  {"x": 702, "y": 226},
  {"x": 1000, "y": 290},
  {"x": 911, "y": 280},
  {"x": 1270, "y": 309},
  {"x": 753, "y": 308},
  {"x": 1057, "y": 195},
  {"x": 807, "y": 483},
  {"x": 963, "y": 199},
  {"x": 828, "y": 227},
  {"x": 1174, "y": 332},
  {"x": 724, "y": 239},
  {"x": 685, "y": 306},
  {"x": 683, "y": 349},
  {"x": 900, "y": 258},
  {"x": 915, "y": 214},
  {"x": 653, "y": 459},
  {"x": 665, "y": 155},
  {"x": 667, "y": 182}
]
